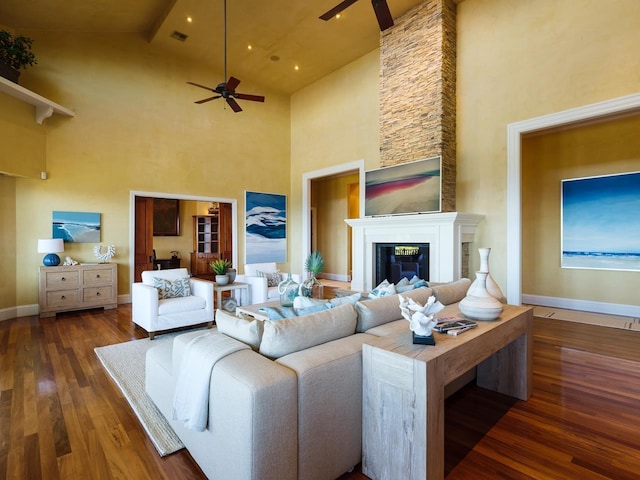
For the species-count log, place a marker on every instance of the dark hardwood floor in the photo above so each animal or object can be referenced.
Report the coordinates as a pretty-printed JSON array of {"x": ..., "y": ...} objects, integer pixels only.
[{"x": 61, "y": 417}]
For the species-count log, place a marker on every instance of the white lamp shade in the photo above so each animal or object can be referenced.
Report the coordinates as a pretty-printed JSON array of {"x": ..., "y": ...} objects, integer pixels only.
[{"x": 50, "y": 245}]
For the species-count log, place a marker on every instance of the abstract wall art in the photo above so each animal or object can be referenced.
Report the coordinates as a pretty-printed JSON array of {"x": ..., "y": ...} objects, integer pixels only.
[
  {"x": 77, "y": 227},
  {"x": 265, "y": 227}
]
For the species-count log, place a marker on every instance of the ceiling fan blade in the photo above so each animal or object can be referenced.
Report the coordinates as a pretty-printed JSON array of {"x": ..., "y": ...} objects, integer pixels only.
[
  {"x": 253, "y": 98},
  {"x": 201, "y": 86},
  {"x": 233, "y": 104},
  {"x": 207, "y": 99},
  {"x": 232, "y": 84},
  {"x": 383, "y": 14},
  {"x": 337, "y": 9}
]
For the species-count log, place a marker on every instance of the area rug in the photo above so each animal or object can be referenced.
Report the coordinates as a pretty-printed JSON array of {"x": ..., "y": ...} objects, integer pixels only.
[
  {"x": 125, "y": 362},
  {"x": 614, "y": 321}
]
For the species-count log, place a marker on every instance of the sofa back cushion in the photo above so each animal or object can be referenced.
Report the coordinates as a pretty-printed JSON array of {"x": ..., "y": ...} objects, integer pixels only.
[
  {"x": 245, "y": 330},
  {"x": 448, "y": 293},
  {"x": 378, "y": 311},
  {"x": 282, "y": 337}
]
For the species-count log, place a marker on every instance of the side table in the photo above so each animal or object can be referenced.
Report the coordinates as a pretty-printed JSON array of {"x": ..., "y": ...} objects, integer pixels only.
[{"x": 231, "y": 287}]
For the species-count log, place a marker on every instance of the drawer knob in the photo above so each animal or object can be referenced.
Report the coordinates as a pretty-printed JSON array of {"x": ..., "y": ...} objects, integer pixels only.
[
  {"x": 97, "y": 294},
  {"x": 98, "y": 276},
  {"x": 63, "y": 279},
  {"x": 62, "y": 297}
]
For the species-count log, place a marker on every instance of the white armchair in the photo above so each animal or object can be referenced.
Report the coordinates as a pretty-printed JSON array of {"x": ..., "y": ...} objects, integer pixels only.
[
  {"x": 259, "y": 291},
  {"x": 155, "y": 315}
]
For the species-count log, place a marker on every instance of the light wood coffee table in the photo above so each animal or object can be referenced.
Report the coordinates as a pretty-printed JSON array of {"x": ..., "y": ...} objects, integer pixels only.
[{"x": 404, "y": 389}]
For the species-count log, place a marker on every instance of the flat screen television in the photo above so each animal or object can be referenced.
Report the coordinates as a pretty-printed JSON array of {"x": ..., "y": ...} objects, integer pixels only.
[{"x": 414, "y": 187}]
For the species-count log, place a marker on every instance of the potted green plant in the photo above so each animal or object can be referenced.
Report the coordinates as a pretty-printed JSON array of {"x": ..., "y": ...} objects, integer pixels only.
[
  {"x": 15, "y": 53},
  {"x": 220, "y": 267},
  {"x": 312, "y": 287}
]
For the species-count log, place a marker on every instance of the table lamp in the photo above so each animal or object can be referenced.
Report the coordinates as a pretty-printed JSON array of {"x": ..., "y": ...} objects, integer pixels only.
[{"x": 50, "y": 246}]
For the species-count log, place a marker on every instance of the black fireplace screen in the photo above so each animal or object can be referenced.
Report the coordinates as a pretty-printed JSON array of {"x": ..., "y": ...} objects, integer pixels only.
[{"x": 395, "y": 261}]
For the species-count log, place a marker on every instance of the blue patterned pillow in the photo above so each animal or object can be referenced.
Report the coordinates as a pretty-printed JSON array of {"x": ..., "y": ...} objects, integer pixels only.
[
  {"x": 172, "y": 289},
  {"x": 273, "y": 278}
]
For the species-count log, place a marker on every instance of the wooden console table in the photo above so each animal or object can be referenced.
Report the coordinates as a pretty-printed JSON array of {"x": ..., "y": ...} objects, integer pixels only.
[{"x": 404, "y": 385}]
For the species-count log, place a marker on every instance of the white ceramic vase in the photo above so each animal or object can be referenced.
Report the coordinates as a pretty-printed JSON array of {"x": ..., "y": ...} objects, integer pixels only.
[
  {"x": 492, "y": 287},
  {"x": 480, "y": 304}
]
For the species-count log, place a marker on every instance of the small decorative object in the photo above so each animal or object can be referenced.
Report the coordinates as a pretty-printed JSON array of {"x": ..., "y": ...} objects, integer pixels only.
[
  {"x": 15, "y": 53},
  {"x": 231, "y": 273},
  {"x": 220, "y": 267},
  {"x": 229, "y": 304},
  {"x": 312, "y": 287},
  {"x": 174, "y": 254},
  {"x": 288, "y": 290},
  {"x": 68, "y": 261},
  {"x": 492, "y": 287},
  {"x": 50, "y": 246},
  {"x": 214, "y": 208},
  {"x": 106, "y": 256},
  {"x": 421, "y": 321},
  {"x": 479, "y": 304}
]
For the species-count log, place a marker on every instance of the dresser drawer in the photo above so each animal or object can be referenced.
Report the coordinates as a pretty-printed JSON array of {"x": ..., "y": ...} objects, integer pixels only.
[
  {"x": 97, "y": 276},
  {"x": 63, "y": 298},
  {"x": 98, "y": 294},
  {"x": 61, "y": 280}
]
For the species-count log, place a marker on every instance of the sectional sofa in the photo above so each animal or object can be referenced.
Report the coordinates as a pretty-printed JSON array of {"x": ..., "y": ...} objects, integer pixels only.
[{"x": 287, "y": 403}]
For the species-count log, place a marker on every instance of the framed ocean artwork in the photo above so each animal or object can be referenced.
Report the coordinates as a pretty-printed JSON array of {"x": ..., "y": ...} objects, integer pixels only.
[
  {"x": 76, "y": 227},
  {"x": 265, "y": 227},
  {"x": 414, "y": 187},
  {"x": 601, "y": 223}
]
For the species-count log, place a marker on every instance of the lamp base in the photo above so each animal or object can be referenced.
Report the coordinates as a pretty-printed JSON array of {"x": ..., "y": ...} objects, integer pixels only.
[{"x": 51, "y": 260}]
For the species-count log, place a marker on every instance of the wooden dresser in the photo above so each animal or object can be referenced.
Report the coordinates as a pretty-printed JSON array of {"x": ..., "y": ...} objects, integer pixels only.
[{"x": 78, "y": 287}]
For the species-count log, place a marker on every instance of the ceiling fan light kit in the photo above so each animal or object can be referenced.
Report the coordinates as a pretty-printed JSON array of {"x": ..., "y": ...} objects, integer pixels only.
[
  {"x": 380, "y": 8},
  {"x": 227, "y": 90}
]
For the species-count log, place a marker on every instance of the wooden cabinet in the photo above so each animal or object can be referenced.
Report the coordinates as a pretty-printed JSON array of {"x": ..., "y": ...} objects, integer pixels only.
[
  {"x": 78, "y": 287},
  {"x": 212, "y": 239}
]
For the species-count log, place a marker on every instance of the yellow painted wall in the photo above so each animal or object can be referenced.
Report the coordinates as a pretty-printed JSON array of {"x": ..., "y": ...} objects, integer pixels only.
[
  {"x": 330, "y": 197},
  {"x": 522, "y": 59},
  {"x": 333, "y": 121},
  {"x": 136, "y": 128},
  {"x": 7, "y": 242},
  {"x": 596, "y": 149}
]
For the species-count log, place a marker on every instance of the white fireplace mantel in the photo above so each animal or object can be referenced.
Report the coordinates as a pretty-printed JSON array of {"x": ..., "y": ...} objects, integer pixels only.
[{"x": 444, "y": 232}]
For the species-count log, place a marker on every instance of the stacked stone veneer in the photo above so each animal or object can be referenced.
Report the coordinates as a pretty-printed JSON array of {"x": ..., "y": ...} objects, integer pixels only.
[{"x": 418, "y": 91}]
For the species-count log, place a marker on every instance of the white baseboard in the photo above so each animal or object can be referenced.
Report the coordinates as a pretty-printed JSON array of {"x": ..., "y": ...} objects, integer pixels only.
[
  {"x": 583, "y": 305},
  {"x": 338, "y": 277},
  {"x": 27, "y": 310}
]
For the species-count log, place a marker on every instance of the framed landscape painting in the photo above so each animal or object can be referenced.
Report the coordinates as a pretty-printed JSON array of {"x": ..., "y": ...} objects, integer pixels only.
[
  {"x": 601, "y": 223},
  {"x": 414, "y": 187},
  {"x": 265, "y": 227},
  {"x": 76, "y": 227}
]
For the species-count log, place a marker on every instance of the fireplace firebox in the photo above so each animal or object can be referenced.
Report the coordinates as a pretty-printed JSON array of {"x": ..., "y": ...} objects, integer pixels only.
[{"x": 395, "y": 261}]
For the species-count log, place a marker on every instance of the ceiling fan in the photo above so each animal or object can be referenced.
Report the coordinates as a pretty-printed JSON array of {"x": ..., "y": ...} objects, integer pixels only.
[
  {"x": 227, "y": 90},
  {"x": 380, "y": 7}
]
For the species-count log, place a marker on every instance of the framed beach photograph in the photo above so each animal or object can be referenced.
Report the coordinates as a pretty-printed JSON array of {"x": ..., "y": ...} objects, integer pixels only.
[
  {"x": 166, "y": 217},
  {"x": 414, "y": 187},
  {"x": 601, "y": 222},
  {"x": 265, "y": 227},
  {"x": 76, "y": 227}
]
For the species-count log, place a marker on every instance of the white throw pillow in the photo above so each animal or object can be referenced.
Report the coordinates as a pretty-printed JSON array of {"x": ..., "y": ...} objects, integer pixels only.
[{"x": 242, "y": 329}]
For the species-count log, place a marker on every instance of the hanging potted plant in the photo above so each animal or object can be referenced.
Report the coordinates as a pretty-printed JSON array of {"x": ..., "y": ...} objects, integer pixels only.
[
  {"x": 15, "y": 53},
  {"x": 220, "y": 267}
]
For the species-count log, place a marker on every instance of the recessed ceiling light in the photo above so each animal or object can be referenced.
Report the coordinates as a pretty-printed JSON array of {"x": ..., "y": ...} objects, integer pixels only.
[
  {"x": 189, "y": 19},
  {"x": 338, "y": 15},
  {"x": 249, "y": 47},
  {"x": 296, "y": 68}
]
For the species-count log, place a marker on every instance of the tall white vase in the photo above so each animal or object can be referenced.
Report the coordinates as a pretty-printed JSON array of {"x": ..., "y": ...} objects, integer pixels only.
[
  {"x": 492, "y": 287},
  {"x": 480, "y": 304}
]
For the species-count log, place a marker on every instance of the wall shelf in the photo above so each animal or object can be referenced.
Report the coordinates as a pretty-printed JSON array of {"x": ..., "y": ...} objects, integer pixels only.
[{"x": 44, "y": 107}]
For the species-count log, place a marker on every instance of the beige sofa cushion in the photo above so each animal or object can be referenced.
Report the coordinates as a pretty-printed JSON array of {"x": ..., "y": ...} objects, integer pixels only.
[
  {"x": 378, "y": 311},
  {"x": 448, "y": 293},
  {"x": 248, "y": 331},
  {"x": 289, "y": 335}
]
